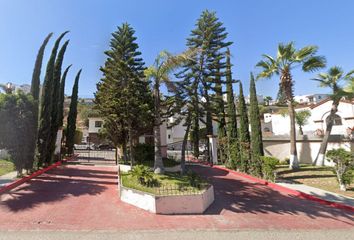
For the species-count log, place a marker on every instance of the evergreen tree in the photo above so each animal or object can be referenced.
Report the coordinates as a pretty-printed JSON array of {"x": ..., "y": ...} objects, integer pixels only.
[
  {"x": 35, "y": 85},
  {"x": 220, "y": 114},
  {"x": 55, "y": 102},
  {"x": 16, "y": 127},
  {"x": 244, "y": 135},
  {"x": 46, "y": 107},
  {"x": 256, "y": 131},
  {"x": 209, "y": 36},
  {"x": 62, "y": 97},
  {"x": 71, "y": 128},
  {"x": 35, "y": 90},
  {"x": 123, "y": 92},
  {"x": 232, "y": 141}
]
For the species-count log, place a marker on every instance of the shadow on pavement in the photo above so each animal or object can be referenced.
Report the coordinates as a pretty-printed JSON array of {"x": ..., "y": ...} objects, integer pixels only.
[
  {"x": 57, "y": 185},
  {"x": 240, "y": 196}
]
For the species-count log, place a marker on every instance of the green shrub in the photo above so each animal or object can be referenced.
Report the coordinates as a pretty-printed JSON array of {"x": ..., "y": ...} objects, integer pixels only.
[
  {"x": 343, "y": 164},
  {"x": 268, "y": 167},
  {"x": 193, "y": 178},
  {"x": 144, "y": 176},
  {"x": 144, "y": 153}
]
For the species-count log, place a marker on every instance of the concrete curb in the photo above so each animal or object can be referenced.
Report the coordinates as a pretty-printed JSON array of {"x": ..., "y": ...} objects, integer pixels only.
[
  {"x": 283, "y": 189},
  {"x": 35, "y": 174}
]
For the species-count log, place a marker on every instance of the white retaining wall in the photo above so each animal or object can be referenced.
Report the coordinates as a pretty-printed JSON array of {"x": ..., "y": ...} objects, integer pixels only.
[
  {"x": 179, "y": 204},
  {"x": 307, "y": 148}
]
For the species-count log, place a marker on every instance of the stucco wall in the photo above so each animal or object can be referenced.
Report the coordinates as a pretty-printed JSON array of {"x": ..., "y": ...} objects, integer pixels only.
[{"x": 307, "y": 147}]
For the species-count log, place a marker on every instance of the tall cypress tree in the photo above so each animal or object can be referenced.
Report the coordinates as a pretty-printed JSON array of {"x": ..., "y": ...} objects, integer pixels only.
[
  {"x": 256, "y": 131},
  {"x": 35, "y": 90},
  {"x": 35, "y": 85},
  {"x": 220, "y": 114},
  {"x": 46, "y": 106},
  {"x": 232, "y": 141},
  {"x": 244, "y": 134},
  {"x": 71, "y": 128},
  {"x": 55, "y": 102},
  {"x": 210, "y": 37},
  {"x": 62, "y": 97}
]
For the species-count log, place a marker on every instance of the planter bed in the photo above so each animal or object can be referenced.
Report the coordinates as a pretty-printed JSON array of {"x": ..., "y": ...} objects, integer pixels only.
[{"x": 173, "y": 196}]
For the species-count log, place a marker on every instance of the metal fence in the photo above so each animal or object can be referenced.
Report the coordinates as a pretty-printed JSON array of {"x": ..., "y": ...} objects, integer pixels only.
[
  {"x": 96, "y": 157},
  {"x": 179, "y": 189}
]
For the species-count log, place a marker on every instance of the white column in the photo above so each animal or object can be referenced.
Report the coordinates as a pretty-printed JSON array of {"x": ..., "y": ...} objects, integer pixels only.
[{"x": 213, "y": 148}]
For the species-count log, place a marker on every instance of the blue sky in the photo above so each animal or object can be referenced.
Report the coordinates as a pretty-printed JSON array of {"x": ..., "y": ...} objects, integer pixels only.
[{"x": 255, "y": 27}]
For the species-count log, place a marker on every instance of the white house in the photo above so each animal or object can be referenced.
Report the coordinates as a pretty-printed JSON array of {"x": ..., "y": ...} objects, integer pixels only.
[
  {"x": 310, "y": 98},
  {"x": 96, "y": 124},
  {"x": 317, "y": 121}
]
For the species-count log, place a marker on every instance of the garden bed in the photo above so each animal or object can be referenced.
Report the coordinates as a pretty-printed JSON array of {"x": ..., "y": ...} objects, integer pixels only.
[
  {"x": 174, "y": 194},
  {"x": 319, "y": 177}
]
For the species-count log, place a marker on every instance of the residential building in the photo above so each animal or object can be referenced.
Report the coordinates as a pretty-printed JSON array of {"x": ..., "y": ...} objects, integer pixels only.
[
  {"x": 310, "y": 98},
  {"x": 318, "y": 120}
]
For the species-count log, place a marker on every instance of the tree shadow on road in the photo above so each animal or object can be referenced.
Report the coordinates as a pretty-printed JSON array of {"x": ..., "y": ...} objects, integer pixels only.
[
  {"x": 57, "y": 185},
  {"x": 241, "y": 196}
]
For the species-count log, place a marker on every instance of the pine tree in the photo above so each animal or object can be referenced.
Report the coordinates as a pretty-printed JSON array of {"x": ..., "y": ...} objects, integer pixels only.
[
  {"x": 220, "y": 114},
  {"x": 123, "y": 92},
  {"x": 62, "y": 97},
  {"x": 256, "y": 131},
  {"x": 244, "y": 135},
  {"x": 71, "y": 128},
  {"x": 232, "y": 141},
  {"x": 35, "y": 90},
  {"x": 46, "y": 107},
  {"x": 55, "y": 103},
  {"x": 209, "y": 36}
]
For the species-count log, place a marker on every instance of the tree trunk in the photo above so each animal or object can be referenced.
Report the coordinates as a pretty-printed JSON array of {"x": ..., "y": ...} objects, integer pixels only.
[
  {"x": 124, "y": 148},
  {"x": 116, "y": 155},
  {"x": 158, "y": 164},
  {"x": 183, "y": 150},
  {"x": 294, "y": 162},
  {"x": 130, "y": 133},
  {"x": 300, "y": 130},
  {"x": 322, "y": 152}
]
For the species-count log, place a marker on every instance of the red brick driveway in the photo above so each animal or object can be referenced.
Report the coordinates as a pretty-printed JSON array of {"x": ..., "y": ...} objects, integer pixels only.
[{"x": 77, "y": 197}]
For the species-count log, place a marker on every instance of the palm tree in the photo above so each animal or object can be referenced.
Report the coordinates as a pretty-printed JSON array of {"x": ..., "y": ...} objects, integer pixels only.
[
  {"x": 164, "y": 64},
  {"x": 267, "y": 100},
  {"x": 301, "y": 118},
  {"x": 286, "y": 60},
  {"x": 331, "y": 79}
]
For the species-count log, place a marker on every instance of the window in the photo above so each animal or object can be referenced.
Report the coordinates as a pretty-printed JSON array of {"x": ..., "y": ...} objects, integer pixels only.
[
  {"x": 98, "y": 124},
  {"x": 169, "y": 136},
  {"x": 266, "y": 129},
  {"x": 336, "y": 121}
]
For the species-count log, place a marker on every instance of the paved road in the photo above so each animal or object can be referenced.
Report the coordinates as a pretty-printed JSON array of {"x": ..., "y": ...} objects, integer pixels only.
[
  {"x": 85, "y": 198},
  {"x": 178, "y": 235}
]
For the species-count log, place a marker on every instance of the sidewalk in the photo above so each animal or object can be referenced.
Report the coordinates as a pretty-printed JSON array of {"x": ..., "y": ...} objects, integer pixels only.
[
  {"x": 325, "y": 195},
  {"x": 7, "y": 178}
]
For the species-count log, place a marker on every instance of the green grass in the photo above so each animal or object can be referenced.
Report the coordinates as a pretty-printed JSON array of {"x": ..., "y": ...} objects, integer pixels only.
[
  {"x": 319, "y": 177},
  {"x": 6, "y": 167},
  {"x": 168, "y": 184}
]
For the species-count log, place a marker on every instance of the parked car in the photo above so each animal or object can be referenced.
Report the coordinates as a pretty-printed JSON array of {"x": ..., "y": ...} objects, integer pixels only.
[
  {"x": 84, "y": 146},
  {"x": 105, "y": 147}
]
